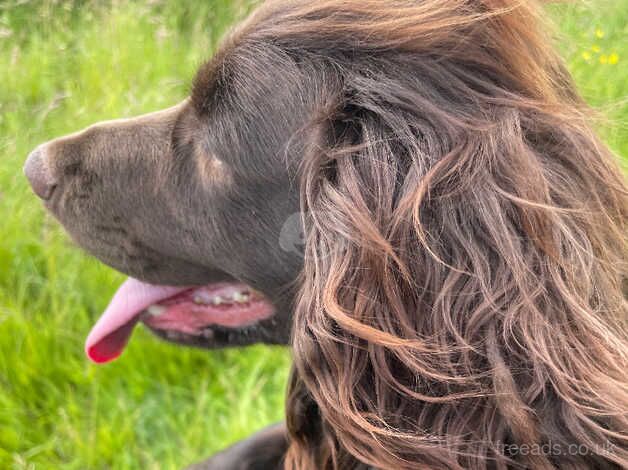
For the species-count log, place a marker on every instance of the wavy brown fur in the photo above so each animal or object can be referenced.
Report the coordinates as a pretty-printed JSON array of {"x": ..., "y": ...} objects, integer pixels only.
[{"x": 465, "y": 265}]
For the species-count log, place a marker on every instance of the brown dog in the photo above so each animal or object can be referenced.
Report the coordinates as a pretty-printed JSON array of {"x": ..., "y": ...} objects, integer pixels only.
[{"x": 453, "y": 281}]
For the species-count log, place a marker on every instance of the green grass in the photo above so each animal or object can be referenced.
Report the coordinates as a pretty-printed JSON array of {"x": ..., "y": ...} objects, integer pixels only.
[{"x": 66, "y": 64}]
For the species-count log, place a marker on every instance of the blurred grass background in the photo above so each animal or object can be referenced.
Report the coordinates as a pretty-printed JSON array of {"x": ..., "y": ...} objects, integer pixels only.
[{"x": 65, "y": 64}]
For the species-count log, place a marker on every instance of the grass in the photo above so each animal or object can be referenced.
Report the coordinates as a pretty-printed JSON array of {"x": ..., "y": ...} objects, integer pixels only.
[{"x": 63, "y": 65}]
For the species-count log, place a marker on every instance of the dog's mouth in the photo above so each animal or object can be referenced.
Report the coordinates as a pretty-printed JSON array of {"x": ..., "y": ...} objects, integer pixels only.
[{"x": 173, "y": 312}]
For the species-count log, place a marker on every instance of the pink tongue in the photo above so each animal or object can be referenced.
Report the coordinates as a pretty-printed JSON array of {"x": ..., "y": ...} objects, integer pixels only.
[{"x": 111, "y": 332}]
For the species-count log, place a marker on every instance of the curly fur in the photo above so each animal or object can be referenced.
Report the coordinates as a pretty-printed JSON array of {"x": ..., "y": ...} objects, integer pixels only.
[{"x": 463, "y": 290}]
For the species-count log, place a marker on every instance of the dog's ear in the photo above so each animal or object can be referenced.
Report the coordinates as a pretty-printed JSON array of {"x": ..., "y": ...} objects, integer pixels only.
[
  {"x": 440, "y": 279},
  {"x": 366, "y": 286}
]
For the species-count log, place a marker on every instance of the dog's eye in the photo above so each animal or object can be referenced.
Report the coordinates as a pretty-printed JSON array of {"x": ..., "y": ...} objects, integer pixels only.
[{"x": 212, "y": 170}]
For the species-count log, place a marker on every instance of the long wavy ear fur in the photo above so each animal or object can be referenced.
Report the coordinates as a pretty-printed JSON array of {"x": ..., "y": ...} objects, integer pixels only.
[{"x": 463, "y": 294}]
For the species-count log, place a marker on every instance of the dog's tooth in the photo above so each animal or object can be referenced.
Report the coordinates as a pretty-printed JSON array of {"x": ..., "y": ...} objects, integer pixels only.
[
  {"x": 241, "y": 297},
  {"x": 208, "y": 333},
  {"x": 217, "y": 300},
  {"x": 256, "y": 294},
  {"x": 198, "y": 300},
  {"x": 156, "y": 310}
]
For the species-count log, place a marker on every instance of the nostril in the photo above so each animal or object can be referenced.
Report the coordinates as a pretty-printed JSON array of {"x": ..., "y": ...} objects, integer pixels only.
[{"x": 38, "y": 174}]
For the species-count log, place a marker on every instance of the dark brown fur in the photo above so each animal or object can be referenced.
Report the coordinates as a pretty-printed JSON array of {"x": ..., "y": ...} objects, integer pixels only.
[{"x": 462, "y": 287}]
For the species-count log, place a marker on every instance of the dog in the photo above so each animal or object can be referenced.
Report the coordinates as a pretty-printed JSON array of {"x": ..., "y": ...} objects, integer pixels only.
[{"x": 453, "y": 281}]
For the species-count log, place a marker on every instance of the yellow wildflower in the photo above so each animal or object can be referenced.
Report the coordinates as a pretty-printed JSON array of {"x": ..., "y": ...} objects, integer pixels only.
[
  {"x": 586, "y": 55},
  {"x": 603, "y": 59},
  {"x": 599, "y": 33},
  {"x": 595, "y": 48},
  {"x": 613, "y": 58}
]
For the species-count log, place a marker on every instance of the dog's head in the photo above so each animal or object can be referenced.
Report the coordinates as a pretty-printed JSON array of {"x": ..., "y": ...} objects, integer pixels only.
[
  {"x": 201, "y": 198},
  {"x": 419, "y": 180}
]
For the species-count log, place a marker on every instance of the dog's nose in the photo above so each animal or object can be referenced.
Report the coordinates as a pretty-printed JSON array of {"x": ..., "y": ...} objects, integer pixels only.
[{"x": 38, "y": 174}]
